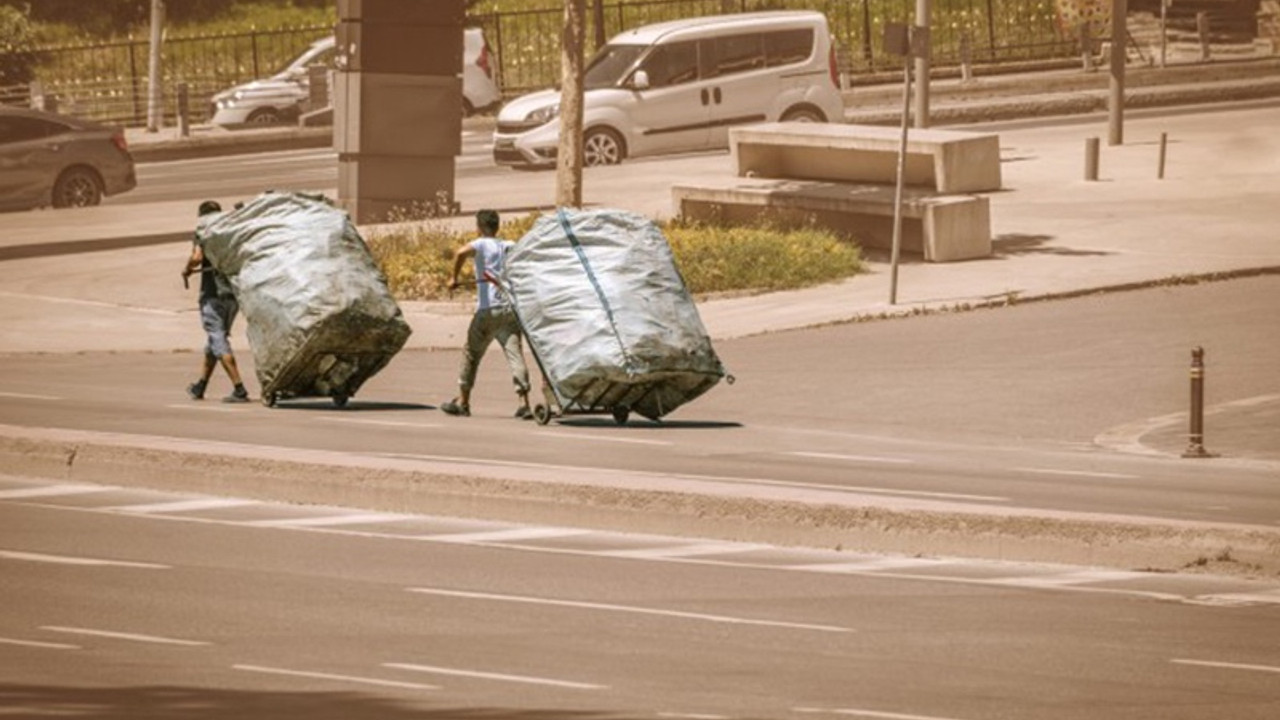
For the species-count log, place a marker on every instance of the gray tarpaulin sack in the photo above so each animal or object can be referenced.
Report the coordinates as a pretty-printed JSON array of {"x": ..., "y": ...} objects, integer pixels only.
[
  {"x": 607, "y": 314},
  {"x": 320, "y": 318}
]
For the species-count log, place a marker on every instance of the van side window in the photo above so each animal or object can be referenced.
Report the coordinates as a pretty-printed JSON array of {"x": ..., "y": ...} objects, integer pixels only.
[
  {"x": 733, "y": 54},
  {"x": 785, "y": 47},
  {"x": 672, "y": 64}
]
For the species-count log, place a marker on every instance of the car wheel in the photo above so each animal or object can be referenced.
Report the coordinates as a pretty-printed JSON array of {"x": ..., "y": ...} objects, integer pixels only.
[
  {"x": 264, "y": 116},
  {"x": 803, "y": 114},
  {"x": 77, "y": 187},
  {"x": 602, "y": 146}
]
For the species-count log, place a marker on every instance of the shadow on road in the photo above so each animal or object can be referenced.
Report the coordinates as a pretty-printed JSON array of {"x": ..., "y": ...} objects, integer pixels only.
[
  {"x": 642, "y": 423},
  {"x": 326, "y": 404},
  {"x": 188, "y": 703},
  {"x": 1019, "y": 244}
]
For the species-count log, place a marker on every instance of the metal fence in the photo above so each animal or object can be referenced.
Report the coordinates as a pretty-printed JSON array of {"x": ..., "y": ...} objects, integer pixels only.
[
  {"x": 109, "y": 81},
  {"x": 528, "y": 42}
]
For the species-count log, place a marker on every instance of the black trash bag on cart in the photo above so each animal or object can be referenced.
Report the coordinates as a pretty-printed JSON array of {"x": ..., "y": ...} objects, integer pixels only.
[
  {"x": 608, "y": 316},
  {"x": 320, "y": 318}
]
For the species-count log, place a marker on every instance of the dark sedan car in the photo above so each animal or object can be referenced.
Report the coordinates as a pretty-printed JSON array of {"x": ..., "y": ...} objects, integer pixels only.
[{"x": 49, "y": 159}]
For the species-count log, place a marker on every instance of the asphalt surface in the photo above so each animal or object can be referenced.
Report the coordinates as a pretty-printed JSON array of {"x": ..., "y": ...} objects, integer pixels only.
[
  {"x": 1212, "y": 216},
  {"x": 142, "y": 604}
]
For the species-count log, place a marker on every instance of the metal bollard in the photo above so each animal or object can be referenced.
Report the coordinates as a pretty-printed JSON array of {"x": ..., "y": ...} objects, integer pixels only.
[
  {"x": 1195, "y": 445},
  {"x": 1164, "y": 143},
  {"x": 1202, "y": 30},
  {"x": 1091, "y": 146}
]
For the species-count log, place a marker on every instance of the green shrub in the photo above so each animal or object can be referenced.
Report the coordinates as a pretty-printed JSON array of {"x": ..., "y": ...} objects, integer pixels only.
[{"x": 417, "y": 259}]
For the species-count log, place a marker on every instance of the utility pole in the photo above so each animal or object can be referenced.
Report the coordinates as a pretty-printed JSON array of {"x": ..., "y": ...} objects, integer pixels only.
[
  {"x": 1119, "y": 40},
  {"x": 569, "y": 154},
  {"x": 155, "y": 97},
  {"x": 921, "y": 37}
]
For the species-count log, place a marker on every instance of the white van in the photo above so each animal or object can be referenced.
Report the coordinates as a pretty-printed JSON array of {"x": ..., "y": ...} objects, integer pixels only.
[
  {"x": 281, "y": 97},
  {"x": 678, "y": 86}
]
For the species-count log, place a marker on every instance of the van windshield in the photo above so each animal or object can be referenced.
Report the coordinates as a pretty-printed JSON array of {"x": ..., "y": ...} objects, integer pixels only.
[{"x": 610, "y": 65}]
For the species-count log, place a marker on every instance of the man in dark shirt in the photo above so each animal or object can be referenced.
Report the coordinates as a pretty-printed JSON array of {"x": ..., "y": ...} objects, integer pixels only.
[{"x": 218, "y": 308}]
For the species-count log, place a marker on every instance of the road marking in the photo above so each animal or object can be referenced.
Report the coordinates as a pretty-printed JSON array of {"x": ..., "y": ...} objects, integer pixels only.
[
  {"x": 67, "y": 560},
  {"x": 520, "y": 533},
  {"x": 626, "y": 608},
  {"x": 28, "y": 396},
  {"x": 1270, "y": 596},
  {"x": 1073, "y": 578},
  {"x": 602, "y": 438},
  {"x": 1077, "y": 473},
  {"x": 329, "y": 520},
  {"x": 709, "y": 478},
  {"x": 122, "y": 636},
  {"x": 495, "y": 676},
  {"x": 1128, "y": 437},
  {"x": 182, "y": 506},
  {"x": 1226, "y": 665},
  {"x": 35, "y": 644},
  {"x": 868, "y": 713},
  {"x": 52, "y": 491},
  {"x": 386, "y": 423},
  {"x": 869, "y": 565},
  {"x": 678, "y": 551},
  {"x": 854, "y": 458},
  {"x": 339, "y": 678}
]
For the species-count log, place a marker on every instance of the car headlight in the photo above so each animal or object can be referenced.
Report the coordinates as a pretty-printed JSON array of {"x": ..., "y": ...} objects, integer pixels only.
[{"x": 544, "y": 114}]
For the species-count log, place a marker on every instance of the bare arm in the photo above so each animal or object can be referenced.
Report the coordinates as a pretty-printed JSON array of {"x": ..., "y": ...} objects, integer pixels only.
[
  {"x": 460, "y": 256},
  {"x": 193, "y": 262}
]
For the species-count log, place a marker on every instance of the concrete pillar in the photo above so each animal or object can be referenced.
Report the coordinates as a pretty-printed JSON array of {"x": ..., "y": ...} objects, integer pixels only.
[{"x": 398, "y": 106}]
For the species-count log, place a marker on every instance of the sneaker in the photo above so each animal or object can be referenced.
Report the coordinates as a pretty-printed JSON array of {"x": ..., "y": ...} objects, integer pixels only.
[
  {"x": 196, "y": 390},
  {"x": 524, "y": 413},
  {"x": 239, "y": 395},
  {"x": 453, "y": 407}
]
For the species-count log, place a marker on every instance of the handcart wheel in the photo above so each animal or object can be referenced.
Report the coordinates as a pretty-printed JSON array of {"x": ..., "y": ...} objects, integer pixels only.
[
  {"x": 269, "y": 399},
  {"x": 542, "y": 414},
  {"x": 340, "y": 400},
  {"x": 621, "y": 413}
]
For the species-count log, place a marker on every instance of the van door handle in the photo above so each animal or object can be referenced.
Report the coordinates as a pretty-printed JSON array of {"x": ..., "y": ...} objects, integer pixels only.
[
  {"x": 717, "y": 95},
  {"x": 706, "y": 99}
]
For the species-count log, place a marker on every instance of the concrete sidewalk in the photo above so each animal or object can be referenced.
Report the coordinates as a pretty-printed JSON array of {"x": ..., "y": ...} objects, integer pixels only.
[{"x": 1213, "y": 215}]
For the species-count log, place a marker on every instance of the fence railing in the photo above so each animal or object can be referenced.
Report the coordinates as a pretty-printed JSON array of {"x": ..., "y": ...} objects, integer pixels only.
[{"x": 109, "y": 81}]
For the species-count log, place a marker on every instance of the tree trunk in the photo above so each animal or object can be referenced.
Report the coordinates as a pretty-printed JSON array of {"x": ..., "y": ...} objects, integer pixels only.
[{"x": 569, "y": 155}]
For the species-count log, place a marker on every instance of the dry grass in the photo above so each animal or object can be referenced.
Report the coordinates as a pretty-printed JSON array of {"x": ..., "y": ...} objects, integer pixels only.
[{"x": 416, "y": 258}]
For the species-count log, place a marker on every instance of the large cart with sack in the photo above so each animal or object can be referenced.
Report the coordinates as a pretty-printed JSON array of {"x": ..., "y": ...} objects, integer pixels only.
[
  {"x": 321, "y": 320},
  {"x": 608, "y": 317}
]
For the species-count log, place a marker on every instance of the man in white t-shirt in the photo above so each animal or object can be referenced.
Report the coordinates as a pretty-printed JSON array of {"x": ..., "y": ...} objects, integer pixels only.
[{"x": 494, "y": 318}]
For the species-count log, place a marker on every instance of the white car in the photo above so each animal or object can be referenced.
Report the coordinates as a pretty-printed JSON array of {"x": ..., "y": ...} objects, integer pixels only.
[
  {"x": 679, "y": 86},
  {"x": 282, "y": 97}
]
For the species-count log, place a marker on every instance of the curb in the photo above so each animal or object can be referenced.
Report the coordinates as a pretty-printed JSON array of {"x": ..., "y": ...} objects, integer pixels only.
[{"x": 639, "y": 502}]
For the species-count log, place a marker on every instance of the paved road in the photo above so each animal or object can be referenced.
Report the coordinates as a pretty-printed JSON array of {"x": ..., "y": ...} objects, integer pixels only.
[
  {"x": 244, "y": 176},
  {"x": 144, "y": 604},
  {"x": 1033, "y": 406}
]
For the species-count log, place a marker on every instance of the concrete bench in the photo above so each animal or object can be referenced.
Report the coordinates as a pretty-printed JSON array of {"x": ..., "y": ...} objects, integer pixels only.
[
  {"x": 946, "y": 161},
  {"x": 942, "y": 228}
]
